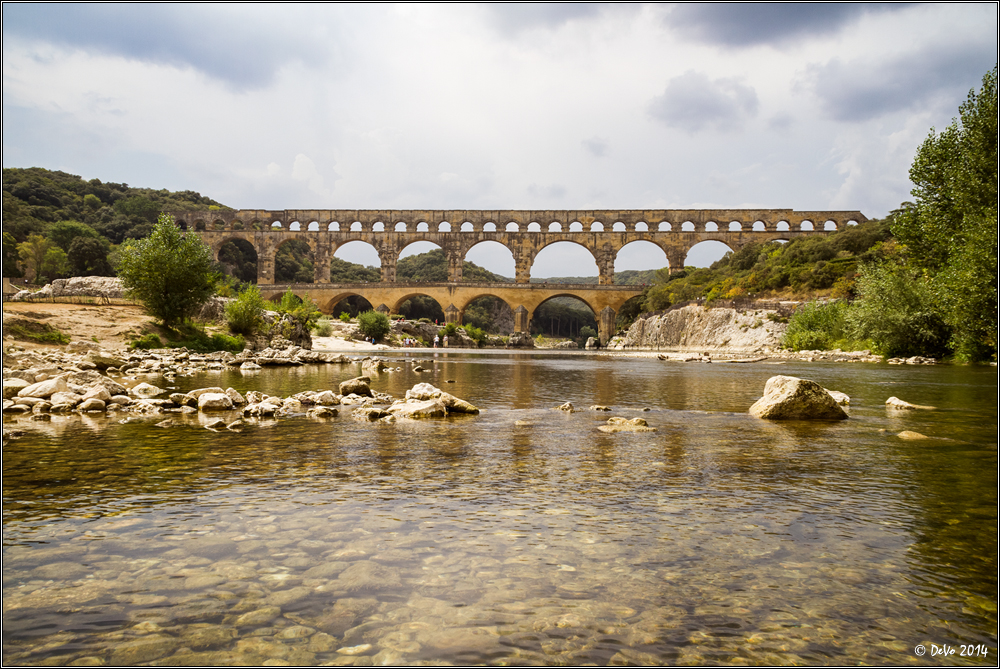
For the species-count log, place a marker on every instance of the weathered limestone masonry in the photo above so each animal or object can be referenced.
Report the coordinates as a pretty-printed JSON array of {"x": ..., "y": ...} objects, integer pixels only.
[{"x": 602, "y": 232}]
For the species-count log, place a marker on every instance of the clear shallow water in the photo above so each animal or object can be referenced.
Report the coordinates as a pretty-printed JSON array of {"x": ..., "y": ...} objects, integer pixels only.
[{"x": 717, "y": 539}]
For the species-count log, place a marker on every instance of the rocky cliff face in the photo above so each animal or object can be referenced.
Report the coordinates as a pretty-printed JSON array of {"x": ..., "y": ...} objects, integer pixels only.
[{"x": 701, "y": 329}]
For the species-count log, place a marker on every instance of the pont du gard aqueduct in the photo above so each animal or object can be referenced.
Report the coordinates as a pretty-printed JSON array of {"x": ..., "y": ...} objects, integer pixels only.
[{"x": 524, "y": 233}]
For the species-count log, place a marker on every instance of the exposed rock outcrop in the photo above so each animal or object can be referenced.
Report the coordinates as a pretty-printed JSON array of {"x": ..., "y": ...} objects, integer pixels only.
[
  {"x": 791, "y": 398},
  {"x": 698, "y": 328}
]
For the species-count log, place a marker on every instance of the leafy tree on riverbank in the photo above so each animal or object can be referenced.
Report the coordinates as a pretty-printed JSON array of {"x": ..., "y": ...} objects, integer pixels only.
[
  {"x": 169, "y": 272},
  {"x": 950, "y": 231}
]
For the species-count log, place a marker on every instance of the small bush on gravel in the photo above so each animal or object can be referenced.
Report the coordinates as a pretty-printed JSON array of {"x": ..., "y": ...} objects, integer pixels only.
[{"x": 374, "y": 324}]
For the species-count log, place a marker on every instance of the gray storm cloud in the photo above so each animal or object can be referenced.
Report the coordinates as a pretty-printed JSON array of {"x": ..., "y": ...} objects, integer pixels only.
[{"x": 692, "y": 102}]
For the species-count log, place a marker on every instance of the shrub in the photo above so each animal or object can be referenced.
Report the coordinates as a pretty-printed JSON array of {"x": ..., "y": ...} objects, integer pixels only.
[
  {"x": 246, "y": 313},
  {"x": 374, "y": 324},
  {"x": 586, "y": 332},
  {"x": 816, "y": 325},
  {"x": 169, "y": 272},
  {"x": 449, "y": 330},
  {"x": 305, "y": 311},
  {"x": 475, "y": 334},
  {"x": 345, "y": 317},
  {"x": 323, "y": 328},
  {"x": 147, "y": 342}
]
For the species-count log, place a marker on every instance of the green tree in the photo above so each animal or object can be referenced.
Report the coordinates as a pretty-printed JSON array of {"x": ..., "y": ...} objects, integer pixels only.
[
  {"x": 374, "y": 324},
  {"x": 89, "y": 256},
  {"x": 64, "y": 232},
  {"x": 950, "y": 231},
  {"x": 169, "y": 272},
  {"x": 10, "y": 257},
  {"x": 32, "y": 253},
  {"x": 55, "y": 265}
]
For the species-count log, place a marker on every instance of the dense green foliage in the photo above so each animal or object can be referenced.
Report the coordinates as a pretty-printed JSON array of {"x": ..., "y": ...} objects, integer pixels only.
[
  {"x": 169, "y": 272},
  {"x": 293, "y": 262},
  {"x": 305, "y": 311},
  {"x": 239, "y": 260},
  {"x": 191, "y": 337},
  {"x": 896, "y": 311},
  {"x": 342, "y": 271},
  {"x": 245, "y": 314},
  {"x": 85, "y": 219},
  {"x": 819, "y": 325},
  {"x": 374, "y": 324},
  {"x": 935, "y": 291},
  {"x": 950, "y": 232},
  {"x": 802, "y": 266}
]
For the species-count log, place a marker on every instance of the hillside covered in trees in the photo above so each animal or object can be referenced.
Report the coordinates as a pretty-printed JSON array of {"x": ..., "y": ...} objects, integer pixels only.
[{"x": 71, "y": 225}]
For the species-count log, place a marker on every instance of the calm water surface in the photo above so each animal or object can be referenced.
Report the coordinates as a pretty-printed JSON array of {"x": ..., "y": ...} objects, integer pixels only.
[{"x": 718, "y": 539}]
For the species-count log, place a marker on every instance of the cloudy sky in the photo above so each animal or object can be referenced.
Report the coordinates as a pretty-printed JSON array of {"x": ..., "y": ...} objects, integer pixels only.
[{"x": 566, "y": 106}]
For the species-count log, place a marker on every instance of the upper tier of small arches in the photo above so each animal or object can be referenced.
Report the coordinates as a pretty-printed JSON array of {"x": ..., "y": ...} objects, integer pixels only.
[{"x": 561, "y": 222}]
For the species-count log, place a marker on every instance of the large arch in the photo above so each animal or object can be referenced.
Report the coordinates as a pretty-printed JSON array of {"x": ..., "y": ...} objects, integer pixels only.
[
  {"x": 359, "y": 252},
  {"x": 566, "y": 258},
  {"x": 351, "y": 302},
  {"x": 488, "y": 312},
  {"x": 422, "y": 261},
  {"x": 294, "y": 261},
  {"x": 639, "y": 255},
  {"x": 417, "y": 304},
  {"x": 239, "y": 258},
  {"x": 560, "y": 315},
  {"x": 491, "y": 256},
  {"x": 704, "y": 253}
]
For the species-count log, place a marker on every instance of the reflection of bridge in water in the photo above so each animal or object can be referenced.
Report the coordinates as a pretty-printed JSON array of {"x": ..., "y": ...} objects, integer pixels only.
[{"x": 523, "y": 233}]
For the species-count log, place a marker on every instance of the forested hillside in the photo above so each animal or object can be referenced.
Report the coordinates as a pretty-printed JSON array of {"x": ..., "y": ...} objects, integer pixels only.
[{"x": 71, "y": 225}]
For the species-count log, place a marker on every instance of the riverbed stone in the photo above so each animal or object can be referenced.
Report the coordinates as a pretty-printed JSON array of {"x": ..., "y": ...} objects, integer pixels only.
[
  {"x": 145, "y": 390},
  {"x": 98, "y": 392},
  {"x": 792, "y": 398},
  {"x": 843, "y": 399},
  {"x": 567, "y": 407},
  {"x": 431, "y": 408},
  {"x": 92, "y": 404},
  {"x": 65, "y": 398},
  {"x": 214, "y": 402},
  {"x": 898, "y": 404},
  {"x": 235, "y": 396},
  {"x": 367, "y": 575},
  {"x": 619, "y": 424},
  {"x": 258, "y": 617},
  {"x": 356, "y": 386},
  {"x": 143, "y": 649},
  {"x": 11, "y": 387},
  {"x": 44, "y": 389},
  {"x": 184, "y": 399},
  {"x": 326, "y": 398},
  {"x": 909, "y": 435},
  {"x": 371, "y": 414}
]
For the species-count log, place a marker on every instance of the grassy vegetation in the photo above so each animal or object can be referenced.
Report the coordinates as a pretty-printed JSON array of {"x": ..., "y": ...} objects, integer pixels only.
[
  {"x": 192, "y": 337},
  {"x": 27, "y": 330}
]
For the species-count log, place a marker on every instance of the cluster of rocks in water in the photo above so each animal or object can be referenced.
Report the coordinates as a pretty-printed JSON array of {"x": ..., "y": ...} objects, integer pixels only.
[{"x": 87, "y": 379}]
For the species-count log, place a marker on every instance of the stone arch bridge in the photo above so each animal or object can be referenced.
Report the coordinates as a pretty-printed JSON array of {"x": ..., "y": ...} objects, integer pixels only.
[{"x": 523, "y": 232}]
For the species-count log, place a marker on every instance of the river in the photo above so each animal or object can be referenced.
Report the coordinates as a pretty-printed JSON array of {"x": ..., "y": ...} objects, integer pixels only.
[{"x": 523, "y": 535}]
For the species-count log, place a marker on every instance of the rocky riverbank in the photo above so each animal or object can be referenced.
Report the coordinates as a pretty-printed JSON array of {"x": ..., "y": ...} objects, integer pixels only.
[{"x": 86, "y": 379}]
